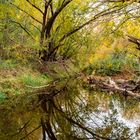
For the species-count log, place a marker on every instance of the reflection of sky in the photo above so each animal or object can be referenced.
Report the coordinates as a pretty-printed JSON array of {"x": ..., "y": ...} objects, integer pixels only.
[
  {"x": 98, "y": 118},
  {"x": 104, "y": 111}
]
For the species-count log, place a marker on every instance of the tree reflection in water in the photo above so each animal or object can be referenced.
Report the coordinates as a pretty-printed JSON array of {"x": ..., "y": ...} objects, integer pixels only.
[{"x": 68, "y": 110}]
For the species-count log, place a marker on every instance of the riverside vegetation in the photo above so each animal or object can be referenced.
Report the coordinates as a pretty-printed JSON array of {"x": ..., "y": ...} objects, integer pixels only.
[{"x": 69, "y": 70}]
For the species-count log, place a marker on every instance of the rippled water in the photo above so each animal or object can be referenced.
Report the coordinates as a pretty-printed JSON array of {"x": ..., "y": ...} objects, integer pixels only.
[{"x": 73, "y": 112}]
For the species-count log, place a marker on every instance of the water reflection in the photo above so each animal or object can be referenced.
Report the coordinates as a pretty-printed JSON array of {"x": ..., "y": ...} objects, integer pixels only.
[{"x": 69, "y": 110}]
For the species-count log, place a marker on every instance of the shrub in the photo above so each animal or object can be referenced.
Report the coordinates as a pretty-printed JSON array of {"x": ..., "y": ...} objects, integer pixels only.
[
  {"x": 109, "y": 66},
  {"x": 132, "y": 63},
  {"x": 115, "y": 63}
]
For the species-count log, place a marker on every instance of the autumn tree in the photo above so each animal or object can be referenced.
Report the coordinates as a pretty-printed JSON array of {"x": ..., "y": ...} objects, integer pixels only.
[{"x": 63, "y": 21}]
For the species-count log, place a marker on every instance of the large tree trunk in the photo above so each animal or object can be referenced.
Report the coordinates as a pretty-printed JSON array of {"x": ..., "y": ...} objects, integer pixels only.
[{"x": 49, "y": 53}]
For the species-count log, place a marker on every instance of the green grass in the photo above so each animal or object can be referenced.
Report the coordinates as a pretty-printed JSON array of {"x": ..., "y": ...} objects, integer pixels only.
[
  {"x": 8, "y": 64},
  {"x": 17, "y": 78},
  {"x": 33, "y": 80},
  {"x": 2, "y": 97}
]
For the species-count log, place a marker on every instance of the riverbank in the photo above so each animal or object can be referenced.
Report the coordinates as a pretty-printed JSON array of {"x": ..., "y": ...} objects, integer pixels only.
[{"x": 19, "y": 78}]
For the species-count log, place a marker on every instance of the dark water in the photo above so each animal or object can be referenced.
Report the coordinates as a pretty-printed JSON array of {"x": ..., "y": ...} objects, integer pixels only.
[{"x": 72, "y": 112}]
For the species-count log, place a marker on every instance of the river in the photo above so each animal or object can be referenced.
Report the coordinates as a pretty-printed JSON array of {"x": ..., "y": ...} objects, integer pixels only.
[{"x": 74, "y": 112}]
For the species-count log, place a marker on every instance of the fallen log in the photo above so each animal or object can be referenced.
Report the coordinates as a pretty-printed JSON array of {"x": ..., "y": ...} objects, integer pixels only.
[
  {"x": 134, "y": 40},
  {"x": 112, "y": 86}
]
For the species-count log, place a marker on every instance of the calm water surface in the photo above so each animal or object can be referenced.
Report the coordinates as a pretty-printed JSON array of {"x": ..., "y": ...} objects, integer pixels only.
[{"x": 73, "y": 112}]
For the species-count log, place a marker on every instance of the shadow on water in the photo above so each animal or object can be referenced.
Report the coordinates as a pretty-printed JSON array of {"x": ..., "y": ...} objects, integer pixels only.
[{"x": 69, "y": 110}]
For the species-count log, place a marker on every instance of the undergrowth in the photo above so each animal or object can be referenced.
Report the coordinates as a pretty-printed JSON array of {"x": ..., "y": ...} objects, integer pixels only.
[
  {"x": 115, "y": 64},
  {"x": 16, "y": 78}
]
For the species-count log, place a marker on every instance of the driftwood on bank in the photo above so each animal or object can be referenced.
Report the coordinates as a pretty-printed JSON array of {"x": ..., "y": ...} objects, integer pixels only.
[
  {"x": 125, "y": 87},
  {"x": 135, "y": 41}
]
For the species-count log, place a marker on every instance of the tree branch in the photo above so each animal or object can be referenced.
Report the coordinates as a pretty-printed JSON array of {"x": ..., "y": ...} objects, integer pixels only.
[
  {"x": 26, "y": 13},
  {"x": 101, "y": 14},
  {"x": 44, "y": 21},
  {"x": 30, "y": 132},
  {"x": 35, "y": 6},
  {"x": 76, "y": 29},
  {"x": 138, "y": 1},
  {"x": 52, "y": 19},
  {"x": 20, "y": 130},
  {"x": 51, "y": 7},
  {"x": 48, "y": 129},
  {"x": 35, "y": 27},
  {"x": 22, "y": 28},
  {"x": 79, "y": 125}
]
